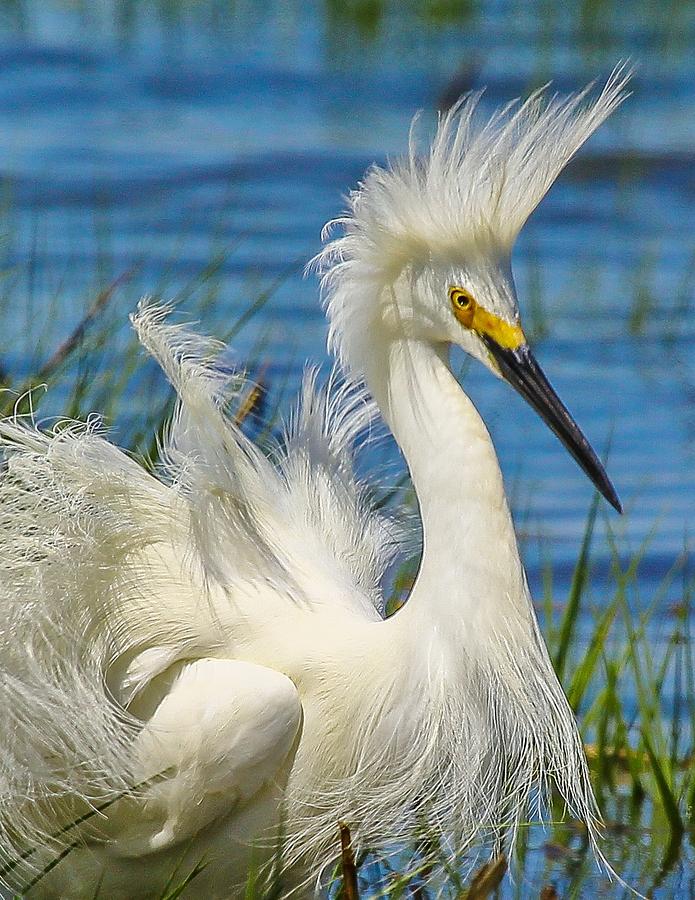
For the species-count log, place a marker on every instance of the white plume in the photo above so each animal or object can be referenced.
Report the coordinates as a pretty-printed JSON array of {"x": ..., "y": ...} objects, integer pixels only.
[
  {"x": 469, "y": 194},
  {"x": 83, "y": 589}
]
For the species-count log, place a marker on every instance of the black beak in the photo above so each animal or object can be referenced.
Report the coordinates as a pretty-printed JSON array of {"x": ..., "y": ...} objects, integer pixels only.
[{"x": 521, "y": 370}]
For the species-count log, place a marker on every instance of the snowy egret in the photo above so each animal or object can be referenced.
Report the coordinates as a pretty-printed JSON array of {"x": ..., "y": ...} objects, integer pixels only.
[{"x": 212, "y": 641}]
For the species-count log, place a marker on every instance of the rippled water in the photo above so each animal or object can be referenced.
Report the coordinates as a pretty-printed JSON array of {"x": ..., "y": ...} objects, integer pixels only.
[
  {"x": 169, "y": 136},
  {"x": 128, "y": 135}
]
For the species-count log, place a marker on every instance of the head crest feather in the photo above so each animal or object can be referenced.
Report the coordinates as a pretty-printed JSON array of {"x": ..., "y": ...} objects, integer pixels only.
[{"x": 470, "y": 193}]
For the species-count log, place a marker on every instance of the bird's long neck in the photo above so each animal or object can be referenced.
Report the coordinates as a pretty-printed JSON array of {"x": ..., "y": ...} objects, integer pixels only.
[
  {"x": 470, "y": 568},
  {"x": 475, "y": 691}
]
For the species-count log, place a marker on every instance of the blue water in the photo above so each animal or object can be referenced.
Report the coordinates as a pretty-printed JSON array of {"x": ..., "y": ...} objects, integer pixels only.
[
  {"x": 128, "y": 136},
  {"x": 163, "y": 135},
  {"x": 131, "y": 136}
]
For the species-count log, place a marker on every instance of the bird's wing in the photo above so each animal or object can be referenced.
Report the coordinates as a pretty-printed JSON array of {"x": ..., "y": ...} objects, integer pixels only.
[
  {"x": 297, "y": 518},
  {"x": 351, "y": 541},
  {"x": 222, "y": 732},
  {"x": 77, "y": 517},
  {"x": 211, "y": 761},
  {"x": 105, "y": 569}
]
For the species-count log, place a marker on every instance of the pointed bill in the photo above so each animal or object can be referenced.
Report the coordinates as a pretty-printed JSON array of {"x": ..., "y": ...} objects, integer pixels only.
[{"x": 519, "y": 367}]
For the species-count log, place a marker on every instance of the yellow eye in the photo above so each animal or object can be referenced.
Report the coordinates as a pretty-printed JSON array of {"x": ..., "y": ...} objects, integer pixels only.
[{"x": 463, "y": 305}]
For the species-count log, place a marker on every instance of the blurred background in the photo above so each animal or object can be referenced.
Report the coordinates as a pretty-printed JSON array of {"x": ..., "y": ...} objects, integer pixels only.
[{"x": 193, "y": 150}]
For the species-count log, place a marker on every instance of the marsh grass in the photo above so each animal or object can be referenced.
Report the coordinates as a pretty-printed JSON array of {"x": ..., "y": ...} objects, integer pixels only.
[
  {"x": 625, "y": 660},
  {"x": 627, "y": 669}
]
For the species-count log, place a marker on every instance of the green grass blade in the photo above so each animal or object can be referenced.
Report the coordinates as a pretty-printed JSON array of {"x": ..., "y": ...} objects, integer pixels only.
[{"x": 579, "y": 581}]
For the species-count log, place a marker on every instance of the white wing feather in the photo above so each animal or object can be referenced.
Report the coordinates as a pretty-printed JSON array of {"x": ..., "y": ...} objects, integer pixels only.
[{"x": 105, "y": 568}]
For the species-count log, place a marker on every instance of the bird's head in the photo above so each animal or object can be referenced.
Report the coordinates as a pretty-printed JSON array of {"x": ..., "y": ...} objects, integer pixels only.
[{"x": 425, "y": 249}]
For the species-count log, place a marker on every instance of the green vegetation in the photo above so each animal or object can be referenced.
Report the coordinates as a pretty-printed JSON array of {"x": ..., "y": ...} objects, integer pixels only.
[{"x": 627, "y": 668}]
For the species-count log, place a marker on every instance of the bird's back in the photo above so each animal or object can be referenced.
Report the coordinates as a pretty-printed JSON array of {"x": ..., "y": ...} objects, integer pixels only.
[{"x": 110, "y": 575}]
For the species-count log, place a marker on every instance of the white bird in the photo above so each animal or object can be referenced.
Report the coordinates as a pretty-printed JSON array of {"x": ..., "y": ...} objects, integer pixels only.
[{"x": 212, "y": 641}]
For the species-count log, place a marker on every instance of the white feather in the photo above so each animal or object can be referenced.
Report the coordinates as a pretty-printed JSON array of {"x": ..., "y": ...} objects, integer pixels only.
[
  {"x": 84, "y": 529},
  {"x": 119, "y": 587},
  {"x": 467, "y": 197}
]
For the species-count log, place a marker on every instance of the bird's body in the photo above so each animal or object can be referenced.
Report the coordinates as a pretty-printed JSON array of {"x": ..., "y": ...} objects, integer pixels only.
[{"x": 214, "y": 642}]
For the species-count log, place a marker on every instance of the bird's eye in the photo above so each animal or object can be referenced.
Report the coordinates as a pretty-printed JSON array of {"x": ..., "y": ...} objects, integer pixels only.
[{"x": 463, "y": 305}]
